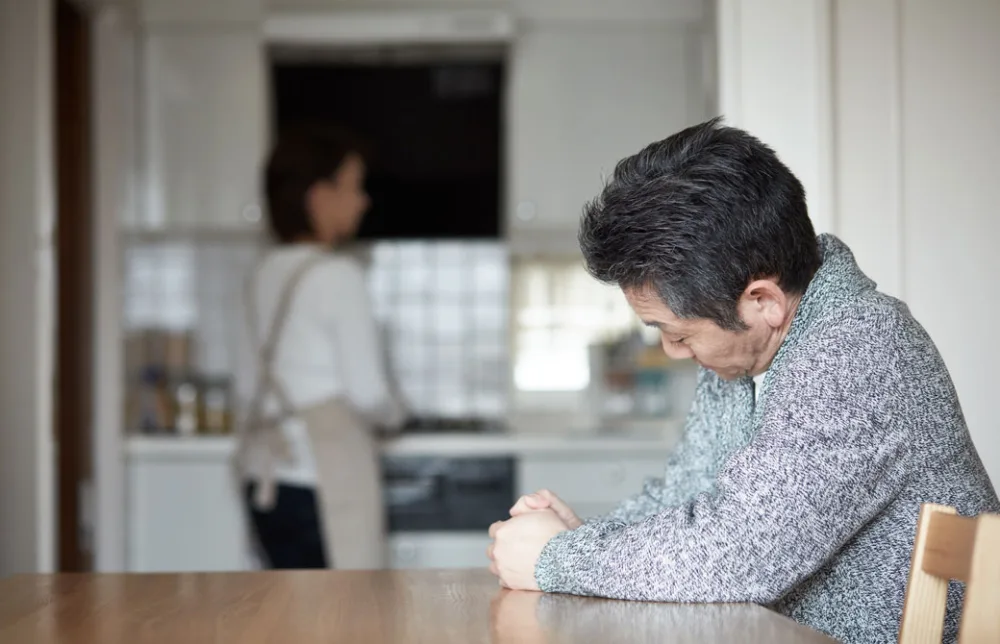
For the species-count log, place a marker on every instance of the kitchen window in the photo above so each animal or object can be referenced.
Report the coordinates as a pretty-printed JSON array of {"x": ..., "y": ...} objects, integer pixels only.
[{"x": 559, "y": 310}]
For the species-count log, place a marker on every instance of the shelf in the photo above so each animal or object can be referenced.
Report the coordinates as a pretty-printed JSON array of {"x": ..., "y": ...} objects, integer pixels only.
[
  {"x": 173, "y": 447},
  {"x": 200, "y": 234}
]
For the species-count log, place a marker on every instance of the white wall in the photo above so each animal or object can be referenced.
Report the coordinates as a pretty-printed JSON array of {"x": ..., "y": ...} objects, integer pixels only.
[
  {"x": 888, "y": 111},
  {"x": 869, "y": 160},
  {"x": 951, "y": 195},
  {"x": 775, "y": 81},
  {"x": 26, "y": 287},
  {"x": 919, "y": 122}
]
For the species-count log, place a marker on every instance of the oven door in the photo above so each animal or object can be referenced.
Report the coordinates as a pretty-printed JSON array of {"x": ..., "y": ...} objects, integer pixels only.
[{"x": 447, "y": 494}]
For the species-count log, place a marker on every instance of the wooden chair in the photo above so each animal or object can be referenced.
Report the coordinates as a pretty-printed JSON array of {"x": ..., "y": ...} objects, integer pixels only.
[{"x": 949, "y": 546}]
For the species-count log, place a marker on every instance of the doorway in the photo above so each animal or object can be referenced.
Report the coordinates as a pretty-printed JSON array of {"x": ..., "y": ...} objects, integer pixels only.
[{"x": 73, "y": 408}]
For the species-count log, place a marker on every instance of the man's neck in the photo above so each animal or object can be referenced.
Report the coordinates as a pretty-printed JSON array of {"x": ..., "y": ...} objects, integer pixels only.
[{"x": 778, "y": 337}]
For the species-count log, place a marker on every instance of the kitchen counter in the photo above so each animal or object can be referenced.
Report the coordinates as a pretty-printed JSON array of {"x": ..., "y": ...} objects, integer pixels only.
[
  {"x": 522, "y": 443},
  {"x": 513, "y": 443},
  {"x": 185, "y": 513}
]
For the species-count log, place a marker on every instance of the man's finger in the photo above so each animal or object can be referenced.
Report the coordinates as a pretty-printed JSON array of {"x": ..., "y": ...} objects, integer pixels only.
[
  {"x": 494, "y": 527},
  {"x": 519, "y": 508},
  {"x": 560, "y": 508},
  {"x": 494, "y": 569},
  {"x": 489, "y": 551},
  {"x": 537, "y": 501},
  {"x": 529, "y": 503}
]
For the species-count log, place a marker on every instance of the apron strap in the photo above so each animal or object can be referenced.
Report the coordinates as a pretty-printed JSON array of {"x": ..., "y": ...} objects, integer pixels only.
[{"x": 267, "y": 380}]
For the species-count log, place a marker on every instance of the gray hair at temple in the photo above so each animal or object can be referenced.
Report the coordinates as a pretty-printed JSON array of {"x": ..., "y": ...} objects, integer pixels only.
[{"x": 697, "y": 217}]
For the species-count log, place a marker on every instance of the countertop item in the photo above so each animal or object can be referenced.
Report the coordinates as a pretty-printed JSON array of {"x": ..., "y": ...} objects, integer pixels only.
[
  {"x": 383, "y": 607},
  {"x": 513, "y": 443}
]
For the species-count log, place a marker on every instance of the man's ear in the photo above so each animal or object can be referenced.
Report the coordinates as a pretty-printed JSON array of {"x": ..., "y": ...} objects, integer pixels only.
[{"x": 766, "y": 300}]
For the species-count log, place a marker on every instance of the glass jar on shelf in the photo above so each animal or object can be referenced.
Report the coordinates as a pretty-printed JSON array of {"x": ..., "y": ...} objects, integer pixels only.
[
  {"x": 187, "y": 405},
  {"x": 217, "y": 407}
]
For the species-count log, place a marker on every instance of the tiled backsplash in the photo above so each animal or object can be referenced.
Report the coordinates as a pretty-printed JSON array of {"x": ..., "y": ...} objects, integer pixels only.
[
  {"x": 190, "y": 286},
  {"x": 444, "y": 310},
  {"x": 442, "y": 306}
]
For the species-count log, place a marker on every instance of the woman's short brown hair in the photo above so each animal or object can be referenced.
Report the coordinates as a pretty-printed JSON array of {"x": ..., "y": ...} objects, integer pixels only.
[{"x": 299, "y": 159}]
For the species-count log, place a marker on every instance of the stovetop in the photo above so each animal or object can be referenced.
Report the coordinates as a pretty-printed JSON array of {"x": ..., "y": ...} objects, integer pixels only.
[{"x": 442, "y": 425}]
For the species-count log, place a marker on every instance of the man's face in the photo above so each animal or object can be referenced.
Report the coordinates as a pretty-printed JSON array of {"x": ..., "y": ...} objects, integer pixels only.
[{"x": 730, "y": 354}]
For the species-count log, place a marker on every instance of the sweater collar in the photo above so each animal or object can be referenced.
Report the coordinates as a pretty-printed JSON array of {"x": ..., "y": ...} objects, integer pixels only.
[{"x": 838, "y": 281}]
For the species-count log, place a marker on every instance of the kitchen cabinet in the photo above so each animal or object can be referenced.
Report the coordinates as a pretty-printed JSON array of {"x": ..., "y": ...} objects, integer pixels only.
[
  {"x": 580, "y": 98},
  {"x": 591, "y": 483},
  {"x": 183, "y": 507},
  {"x": 438, "y": 549},
  {"x": 203, "y": 109},
  {"x": 185, "y": 512},
  {"x": 200, "y": 12}
]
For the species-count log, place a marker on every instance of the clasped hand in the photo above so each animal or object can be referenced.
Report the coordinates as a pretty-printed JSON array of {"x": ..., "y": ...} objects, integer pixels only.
[{"x": 518, "y": 541}]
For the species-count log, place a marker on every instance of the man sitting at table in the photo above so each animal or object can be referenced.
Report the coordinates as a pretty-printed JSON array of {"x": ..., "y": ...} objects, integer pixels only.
[{"x": 824, "y": 414}]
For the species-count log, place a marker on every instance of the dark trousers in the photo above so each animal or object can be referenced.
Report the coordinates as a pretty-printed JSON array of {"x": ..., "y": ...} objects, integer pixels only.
[{"x": 289, "y": 533}]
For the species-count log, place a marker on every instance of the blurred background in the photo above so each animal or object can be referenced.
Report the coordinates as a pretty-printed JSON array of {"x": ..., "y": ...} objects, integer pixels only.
[{"x": 133, "y": 135}]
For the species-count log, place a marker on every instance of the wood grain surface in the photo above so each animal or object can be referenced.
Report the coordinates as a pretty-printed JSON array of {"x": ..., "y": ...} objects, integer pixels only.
[{"x": 436, "y": 607}]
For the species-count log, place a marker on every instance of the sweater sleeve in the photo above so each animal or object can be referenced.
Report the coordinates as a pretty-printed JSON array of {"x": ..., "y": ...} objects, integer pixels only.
[
  {"x": 824, "y": 462},
  {"x": 690, "y": 469},
  {"x": 360, "y": 353}
]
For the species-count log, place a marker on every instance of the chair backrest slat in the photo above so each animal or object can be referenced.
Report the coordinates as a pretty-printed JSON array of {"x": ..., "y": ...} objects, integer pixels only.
[
  {"x": 926, "y": 595},
  {"x": 981, "y": 610},
  {"x": 948, "y": 547}
]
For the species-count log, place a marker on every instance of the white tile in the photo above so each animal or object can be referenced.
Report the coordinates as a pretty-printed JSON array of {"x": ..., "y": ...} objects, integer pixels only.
[
  {"x": 450, "y": 323},
  {"x": 489, "y": 318},
  {"x": 451, "y": 254},
  {"x": 488, "y": 404},
  {"x": 415, "y": 279},
  {"x": 384, "y": 254},
  {"x": 452, "y": 403},
  {"x": 449, "y": 362},
  {"x": 412, "y": 253},
  {"x": 450, "y": 281}
]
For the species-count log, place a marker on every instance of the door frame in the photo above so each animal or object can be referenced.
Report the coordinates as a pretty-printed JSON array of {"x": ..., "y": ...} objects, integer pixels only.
[{"x": 115, "y": 160}]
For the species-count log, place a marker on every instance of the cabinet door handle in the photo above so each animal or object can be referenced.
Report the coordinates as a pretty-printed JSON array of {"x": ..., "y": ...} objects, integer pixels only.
[
  {"x": 526, "y": 211},
  {"x": 251, "y": 213}
]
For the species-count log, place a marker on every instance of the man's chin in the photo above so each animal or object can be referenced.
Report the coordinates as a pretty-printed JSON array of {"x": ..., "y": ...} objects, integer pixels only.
[{"x": 727, "y": 375}]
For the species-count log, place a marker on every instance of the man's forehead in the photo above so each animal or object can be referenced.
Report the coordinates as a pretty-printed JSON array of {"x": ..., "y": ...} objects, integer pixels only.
[{"x": 648, "y": 304}]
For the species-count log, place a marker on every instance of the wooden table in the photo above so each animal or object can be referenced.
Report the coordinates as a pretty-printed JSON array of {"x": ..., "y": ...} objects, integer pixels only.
[{"x": 437, "y": 607}]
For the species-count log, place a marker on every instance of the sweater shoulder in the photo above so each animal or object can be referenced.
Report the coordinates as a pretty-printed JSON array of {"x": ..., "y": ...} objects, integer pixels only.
[
  {"x": 873, "y": 323},
  {"x": 868, "y": 355}
]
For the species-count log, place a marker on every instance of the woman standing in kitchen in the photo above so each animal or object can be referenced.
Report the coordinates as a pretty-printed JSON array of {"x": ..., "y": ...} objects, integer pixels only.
[{"x": 314, "y": 385}]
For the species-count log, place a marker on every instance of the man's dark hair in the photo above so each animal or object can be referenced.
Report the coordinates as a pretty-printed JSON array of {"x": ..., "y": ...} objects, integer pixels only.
[
  {"x": 696, "y": 217},
  {"x": 301, "y": 157}
]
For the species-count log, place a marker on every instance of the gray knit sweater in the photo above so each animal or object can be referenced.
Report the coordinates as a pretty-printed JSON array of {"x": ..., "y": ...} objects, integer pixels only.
[{"x": 806, "y": 501}]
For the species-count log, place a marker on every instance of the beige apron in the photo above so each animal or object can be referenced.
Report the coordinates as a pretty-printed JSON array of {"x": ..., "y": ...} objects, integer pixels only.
[{"x": 348, "y": 490}]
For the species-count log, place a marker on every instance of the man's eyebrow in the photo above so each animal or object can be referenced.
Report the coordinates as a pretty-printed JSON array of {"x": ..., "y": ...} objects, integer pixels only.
[
  {"x": 664, "y": 327},
  {"x": 661, "y": 326}
]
